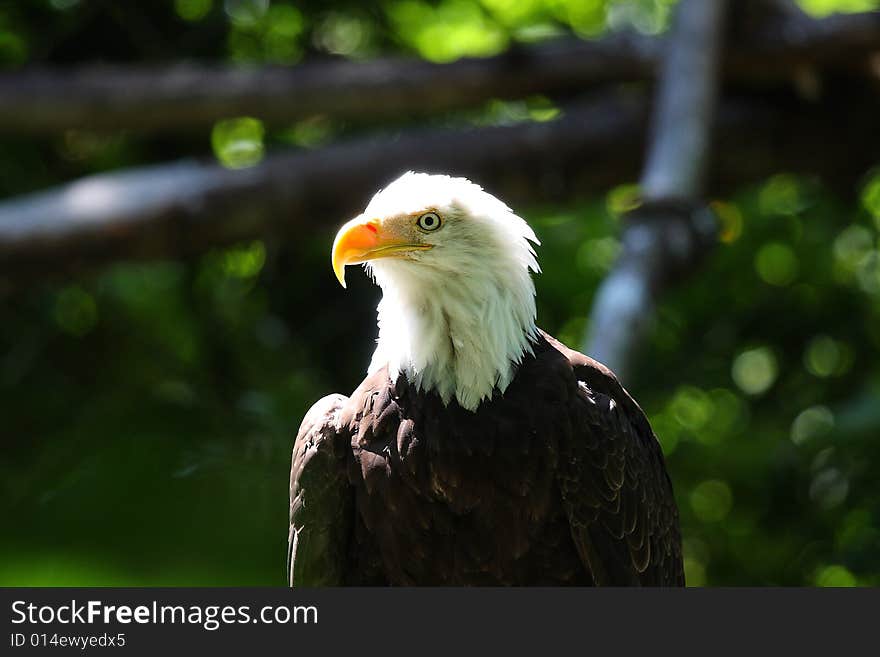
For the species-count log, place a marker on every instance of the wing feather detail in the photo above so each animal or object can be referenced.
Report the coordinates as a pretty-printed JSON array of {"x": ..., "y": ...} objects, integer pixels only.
[
  {"x": 614, "y": 484},
  {"x": 321, "y": 500}
]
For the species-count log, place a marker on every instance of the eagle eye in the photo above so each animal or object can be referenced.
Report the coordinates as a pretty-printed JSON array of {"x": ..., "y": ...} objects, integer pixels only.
[{"x": 429, "y": 221}]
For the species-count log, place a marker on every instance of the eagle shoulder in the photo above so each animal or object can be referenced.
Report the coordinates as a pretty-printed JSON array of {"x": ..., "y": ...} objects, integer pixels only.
[
  {"x": 614, "y": 484},
  {"x": 320, "y": 498}
]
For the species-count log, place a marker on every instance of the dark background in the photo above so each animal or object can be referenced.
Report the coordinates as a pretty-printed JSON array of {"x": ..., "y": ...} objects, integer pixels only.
[{"x": 147, "y": 410}]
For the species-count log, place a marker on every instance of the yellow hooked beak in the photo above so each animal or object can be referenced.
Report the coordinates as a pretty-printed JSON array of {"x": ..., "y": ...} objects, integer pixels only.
[{"x": 362, "y": 239}]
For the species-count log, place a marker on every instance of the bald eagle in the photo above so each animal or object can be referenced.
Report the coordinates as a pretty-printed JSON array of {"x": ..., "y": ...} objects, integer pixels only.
[{"x": 478, "y": 450}]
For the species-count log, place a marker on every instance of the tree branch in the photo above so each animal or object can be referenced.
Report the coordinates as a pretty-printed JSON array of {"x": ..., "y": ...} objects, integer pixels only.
[
  {"x": 669, "y": 232},
  {"x": 176, "y": 210},
  {"x": 191, "y": 96},
  {"x": 184, "y": 208}
]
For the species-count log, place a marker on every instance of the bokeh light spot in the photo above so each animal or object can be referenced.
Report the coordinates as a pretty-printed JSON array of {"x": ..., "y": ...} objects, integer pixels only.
[
  {"x": 586, "y": 17},
  {"x": 285, "y": 24},
  {"x": 871, "y": 198},
  {"x": 810, "y": 423},
  {"x": 824, "y": 356},
  {"x": 826, "y": 7},
  {"x": 781, "y": 195},
  {"x": 245, "y": 261},
  {"x": 829, "y": 488},
  {"x": 311, "y": 132},
  {"x": 691, "y": 407},
  {"x": 265, "y": 33},
  {"x": 729, "y": 414},
  {"x": 597, "y": 255},
  {"x": 514, "y": 12},
  {"x": 711, "y": 500},
  {"x": 448, "y": 31},
  {"x": 13, "y": 47},
  {"x": 730, "y": 221},
  {"x": 542, "y": 109},
  {"x": 246, "y": 12},
  {"x": 667, "y": 436},
  {"x": 754, "y": 370},
  {"x": 343, "y": 34},
  {"x": 852, "y": 246},
  {"x": 193, "y": 10},
  {"x": 645, "y": 17},
  {"x": 835, "y": 576},
  {"x": 623, "y": 198},
  {"x": 694, "y": 572},
  {"x": 238, "y": 142},
  {"x": 776, "y": 264}
]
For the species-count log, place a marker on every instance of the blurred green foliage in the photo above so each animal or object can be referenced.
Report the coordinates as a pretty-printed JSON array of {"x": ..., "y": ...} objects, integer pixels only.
[
  {"x": 148, "y": 410},
  {"x": 238, "y": 142}
]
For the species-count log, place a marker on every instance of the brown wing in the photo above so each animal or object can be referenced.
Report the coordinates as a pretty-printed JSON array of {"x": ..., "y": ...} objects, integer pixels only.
[
  {"x": 615, "y": 488},
  {"x": 320, "y": 499}
]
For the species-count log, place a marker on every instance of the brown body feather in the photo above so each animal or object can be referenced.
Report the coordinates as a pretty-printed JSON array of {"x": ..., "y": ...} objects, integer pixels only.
[{"x": 559, "y": 481}]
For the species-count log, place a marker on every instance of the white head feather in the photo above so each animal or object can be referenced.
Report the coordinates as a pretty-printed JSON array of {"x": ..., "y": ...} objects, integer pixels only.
[{"x": 457, "y": 318}]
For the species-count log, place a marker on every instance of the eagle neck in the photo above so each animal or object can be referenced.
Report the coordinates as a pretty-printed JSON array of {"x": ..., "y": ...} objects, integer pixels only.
[{"x": 463, "y": 339}]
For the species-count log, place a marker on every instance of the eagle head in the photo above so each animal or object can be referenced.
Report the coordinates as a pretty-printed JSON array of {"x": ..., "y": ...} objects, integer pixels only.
[{"x": 457, "y": 313}]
